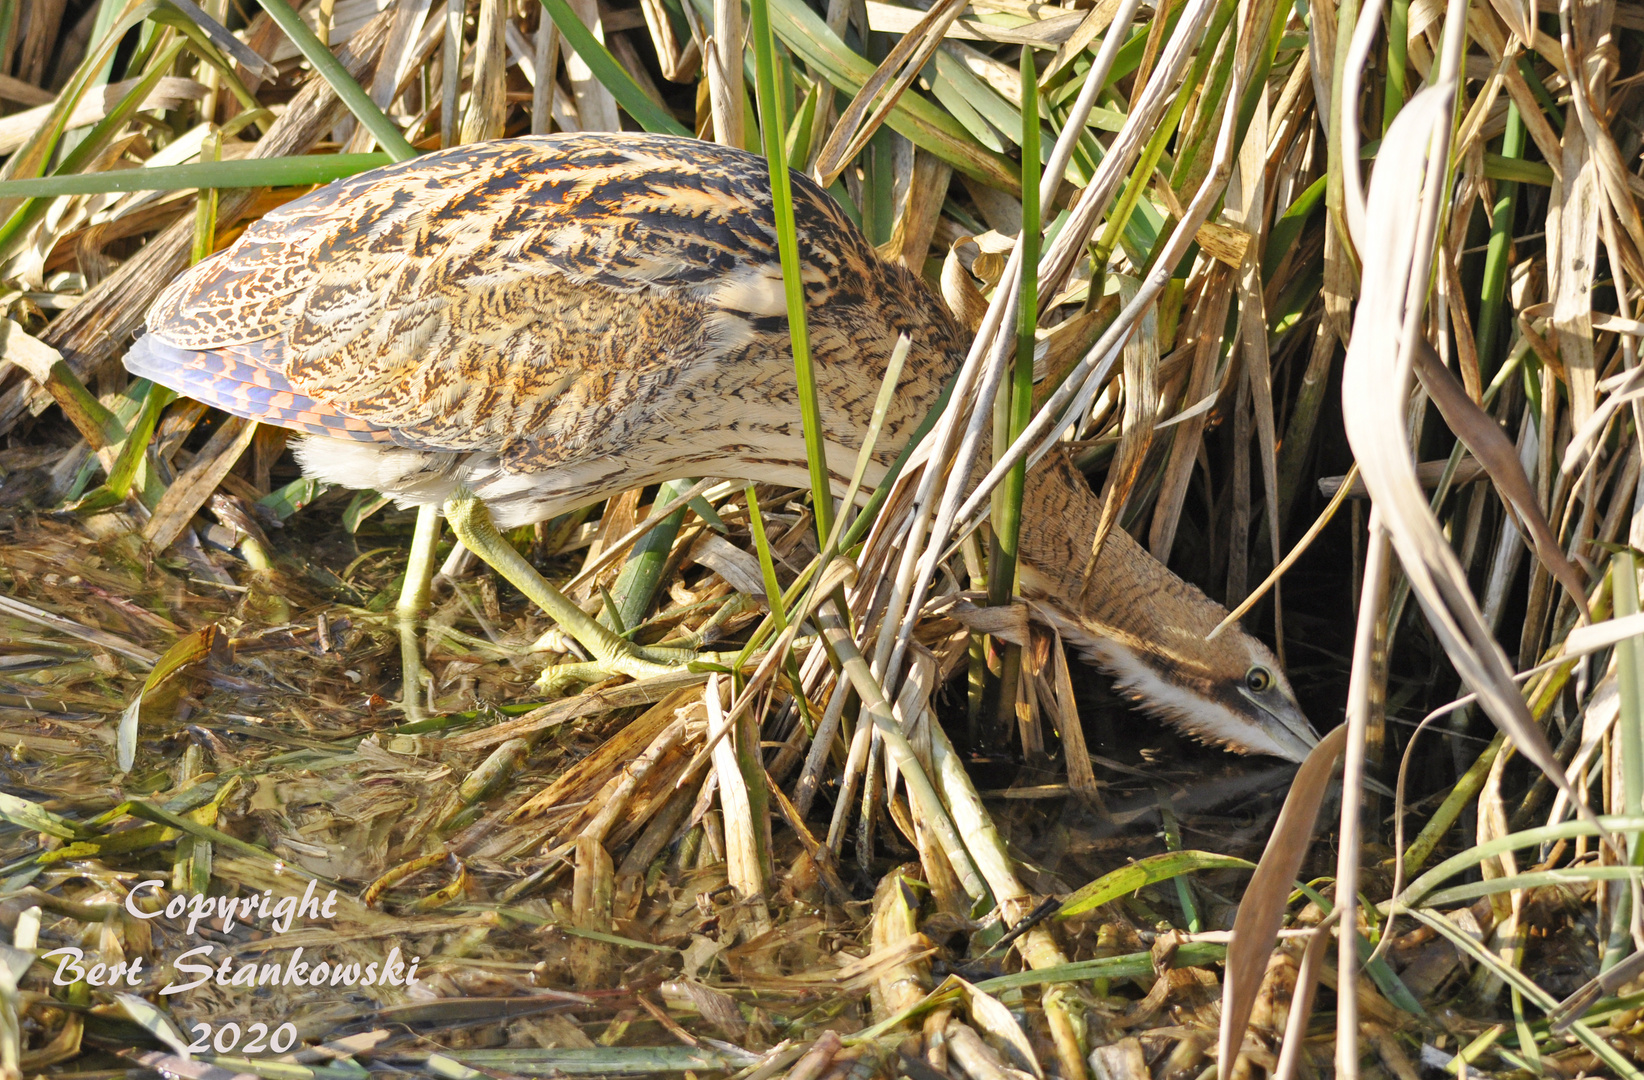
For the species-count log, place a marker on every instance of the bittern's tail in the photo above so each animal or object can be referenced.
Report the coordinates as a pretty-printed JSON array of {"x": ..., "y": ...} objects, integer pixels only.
[{"x": 240, "y": 379}]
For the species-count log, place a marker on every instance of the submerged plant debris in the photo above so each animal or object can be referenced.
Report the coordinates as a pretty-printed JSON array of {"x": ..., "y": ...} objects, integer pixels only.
[
  {"x": 255, "y": 822},
  {"x": 274, "y": 764}
]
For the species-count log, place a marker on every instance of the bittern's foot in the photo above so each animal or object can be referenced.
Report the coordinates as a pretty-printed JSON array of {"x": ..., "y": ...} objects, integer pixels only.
[{"x": 611, "y": 654}]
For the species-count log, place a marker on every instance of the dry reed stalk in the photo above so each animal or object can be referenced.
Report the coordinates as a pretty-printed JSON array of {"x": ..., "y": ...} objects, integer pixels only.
[
  {"x": 1038, "y": 946},
  {"x": 895, "y": 919}
]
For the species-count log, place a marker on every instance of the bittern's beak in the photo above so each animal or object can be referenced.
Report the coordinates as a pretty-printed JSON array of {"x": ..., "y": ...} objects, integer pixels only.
[{"x": 1283, "y": 722}]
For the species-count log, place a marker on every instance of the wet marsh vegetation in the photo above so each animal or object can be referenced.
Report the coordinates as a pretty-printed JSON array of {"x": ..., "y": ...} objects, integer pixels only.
[{"x": 969, "y": 859}]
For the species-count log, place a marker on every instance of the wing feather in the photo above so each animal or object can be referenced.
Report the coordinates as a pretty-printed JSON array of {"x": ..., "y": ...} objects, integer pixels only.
[
  {"x": 547, "y": 298},
  {"x": 234, "y": 381}
]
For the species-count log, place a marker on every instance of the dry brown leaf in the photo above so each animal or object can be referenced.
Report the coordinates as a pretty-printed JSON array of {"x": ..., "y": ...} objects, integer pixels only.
[
  {"x": 1490, "y": 447},
  {"x": 1261, "y": 912},
  {"x": 990, "y": 1014},
  {"x": 190, "y": 491}
]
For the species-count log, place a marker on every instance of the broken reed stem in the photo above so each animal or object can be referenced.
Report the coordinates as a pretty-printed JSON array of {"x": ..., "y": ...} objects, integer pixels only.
[
  {"x": 722, "y": 64},
  {"x": 856, "y": 764},
  {"x": 839, "y": 639},
  {"x": 616, "y": 800},
  {"x": 594, "y": 885},
  {"x": 546, "y": 54},
  {"x": 810, "y": 778},
  {"x": 451, "y": 73},
  {"x": 894, "y": 921},
  {"x": 1038, "y": 946},
  {"x": 741, "y": 797}
]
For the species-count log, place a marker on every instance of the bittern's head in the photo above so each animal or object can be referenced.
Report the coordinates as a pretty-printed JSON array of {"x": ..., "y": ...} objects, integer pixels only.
[{"x": 1228, "y": 691}]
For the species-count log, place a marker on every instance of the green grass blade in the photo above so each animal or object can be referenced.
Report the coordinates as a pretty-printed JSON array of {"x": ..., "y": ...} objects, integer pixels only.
[
  {"x": 650, "y": 116},
  {"x": 1500, "y": 167},
  {"x": 1398, "y": 45},
  {"x": 36, "y": 818},
  {"x": 242, "y": 173},
  {"x": 1126, "y": 966},
  {"x": 1572, "y": 877},
  {"x": 1148, "y": 871},
  {"x": 1417, "y": 891},
  {"x": 767, "y": 567},
  {"x": 331, "y": 70},
  {"x": 287, "y": 500},
  {"x": 124, "y": 470},
  {"x": 1493, "y": 314},
  {"x": 1288, "y": 229},
  {"x": 771, "y": 128}
]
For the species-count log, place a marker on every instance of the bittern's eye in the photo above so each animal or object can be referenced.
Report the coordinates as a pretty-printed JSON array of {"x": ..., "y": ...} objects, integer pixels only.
[{"x": 1258, "y": 679}]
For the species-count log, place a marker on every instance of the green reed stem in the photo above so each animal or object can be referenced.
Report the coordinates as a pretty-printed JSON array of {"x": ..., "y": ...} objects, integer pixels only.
[
  {"x": 1398, "y": 46},
  {"x": 1493, "y": 314},
  {"x": 636, "y": 585},
  {"x": 332, "y": 71},
  {"x": 1629, "y": 662},
  {"x": 767, "y": 565},
  {"x": 1008, "y": 510},
  {"x": 771, "y": 130}
]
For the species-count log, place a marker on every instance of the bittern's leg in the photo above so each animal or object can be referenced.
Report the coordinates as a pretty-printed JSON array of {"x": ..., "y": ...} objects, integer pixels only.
[
  {"x": 411, "y": 669},
  {"x": 612, "y": 655},
  {"x": 419, "y": 569},
  {"x": 419, "y": 573}
]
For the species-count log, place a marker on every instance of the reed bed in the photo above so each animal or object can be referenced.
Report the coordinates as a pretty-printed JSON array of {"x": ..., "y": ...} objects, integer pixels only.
[{"x": 1335, "y": 303}]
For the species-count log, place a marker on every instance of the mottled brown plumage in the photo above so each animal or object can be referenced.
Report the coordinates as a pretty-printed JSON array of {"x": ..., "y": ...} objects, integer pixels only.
[
  {"x": 547, "y": 321},
  {"x": 1148, "y": 628},
  {"x": 593, "y": 312}
]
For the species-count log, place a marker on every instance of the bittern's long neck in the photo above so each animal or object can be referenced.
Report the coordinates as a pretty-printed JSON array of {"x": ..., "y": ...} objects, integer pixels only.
[
  {"x": 1132, "y": 597},
  {"x": 1148, "y": 627}
]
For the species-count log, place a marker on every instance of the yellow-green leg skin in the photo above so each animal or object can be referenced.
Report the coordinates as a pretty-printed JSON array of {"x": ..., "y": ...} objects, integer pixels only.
[
  {"x": 419, "y": 569},
  {"x": 419, "y": 575},
  {"x": 611, "y": 654},
  {"x": 412, "y": 671}
]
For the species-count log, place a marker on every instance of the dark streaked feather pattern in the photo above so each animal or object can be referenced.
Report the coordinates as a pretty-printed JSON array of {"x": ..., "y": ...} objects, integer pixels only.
[
  {"x": 551, "y": 320},
  {"x": 542, "y": 298}
]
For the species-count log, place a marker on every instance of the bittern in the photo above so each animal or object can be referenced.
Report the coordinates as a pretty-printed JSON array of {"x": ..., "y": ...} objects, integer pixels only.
[{"x": 516, "y": 328}]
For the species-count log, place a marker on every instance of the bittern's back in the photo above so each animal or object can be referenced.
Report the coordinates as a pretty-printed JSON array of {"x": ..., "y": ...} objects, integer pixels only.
[{"x": 552, "y": 301}]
